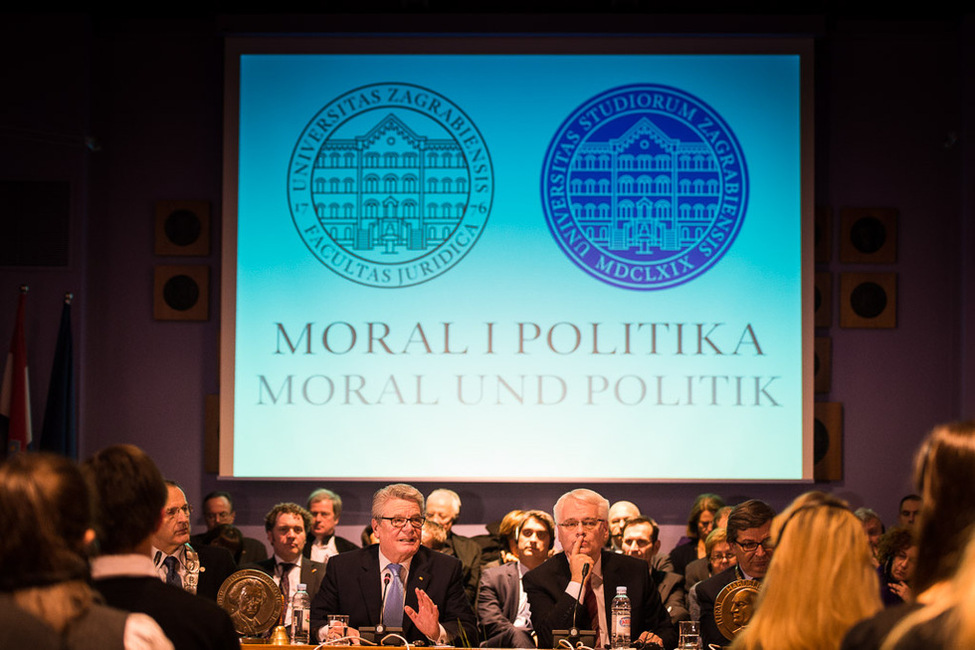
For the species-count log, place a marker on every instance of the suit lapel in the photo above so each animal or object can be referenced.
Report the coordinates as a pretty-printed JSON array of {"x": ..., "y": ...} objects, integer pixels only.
[
  {"x": 511, "y": 592},
  {"x": 372, "y": 595}
]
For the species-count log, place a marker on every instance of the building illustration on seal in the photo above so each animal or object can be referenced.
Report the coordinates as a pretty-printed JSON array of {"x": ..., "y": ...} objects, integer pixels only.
[
  {"x": 390, "y": 190},
  {"x": 644, "y": 191}
]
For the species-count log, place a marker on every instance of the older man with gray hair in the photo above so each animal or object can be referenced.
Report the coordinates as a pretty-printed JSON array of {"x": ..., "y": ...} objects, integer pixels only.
[
  {"x": 443, "y": 507},
  {"x": 590, "y": 574},
  {"x": 397, "y": 582}
]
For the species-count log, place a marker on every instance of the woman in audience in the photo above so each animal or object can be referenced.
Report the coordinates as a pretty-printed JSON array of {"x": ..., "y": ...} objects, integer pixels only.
[
  {"x": 944, "y": 467},
  {"x": 820, "y": 581},
  {"x": 720, "y": 557},
  {"x": 699, "y": 524},
  {"x": 948, "y": 618},
  {"x": 897, "y": 552},
  {"x": 46, "y": 512}
]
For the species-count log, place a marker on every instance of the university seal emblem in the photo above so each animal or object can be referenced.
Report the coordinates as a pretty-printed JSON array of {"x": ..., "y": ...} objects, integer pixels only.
[
  {"x": 644, "y": 187},
  {"x": 390, "y": 185}
]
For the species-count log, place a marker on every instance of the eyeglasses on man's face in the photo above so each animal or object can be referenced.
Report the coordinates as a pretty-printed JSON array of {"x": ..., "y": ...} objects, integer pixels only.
[
  {"x": 399, "y": 522},
  {"x": 587, "y": 524},
  {"x": 767, "y": 544},
  {"x": 186, "y": 509}
]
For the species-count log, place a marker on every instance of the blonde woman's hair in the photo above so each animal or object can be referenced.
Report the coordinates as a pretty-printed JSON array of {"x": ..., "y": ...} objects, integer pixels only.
[{"x": 820, "y": 582}]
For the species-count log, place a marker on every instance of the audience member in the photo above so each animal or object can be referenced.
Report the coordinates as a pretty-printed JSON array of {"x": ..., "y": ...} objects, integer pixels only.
[
  {"x": 944, "y": 466},
  {"x": 700, "y": 522},
  {"x": 443, "y": 507},
  {"x": 908, "y": 511},
  {"x": 897, "y": 553},
  {"x": 368, "y": 536},
  {"x": 586, "y": 571},
  {"x": 641, "y": 540},
  {"x": 749, "y": 528},
  {"x": 720, "y": 557},
  {"x": 873, "y": 527},
  {"x": 218, "y": 510},
  {"x": 130, "y": 495},
  {"x": 173, "y": 555},
  {"x": 45, "y": 508},
  {"x": 508, "y": 534},
  {"x": 502, "y": 603},
  {"x": 325, "y": 507},
  {"x": 225, "y": 536},
  {"x": 433, "y": 535},
  {"x": 424, "y": 585},
  {"x": 820, "y": 582},
  {"x": 285, "y": 525},
  {"x": 619, "y": 513}
]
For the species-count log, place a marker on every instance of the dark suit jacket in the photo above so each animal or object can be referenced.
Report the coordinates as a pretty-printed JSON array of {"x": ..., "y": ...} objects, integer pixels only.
[
  {"x": 707, "y": 592},
  {"x": 468, "y": 552},
  {"x": 216, "y": 565},
  {"x": 670, "y": 586},
  {"x": 190, "y": 622},
  {"x": 251, "y": 550},
  {"x": 352, "y": 586},
  {"x": 342, "y": 545},
  {"x": 552, "y": 608},
  {"x": 497, "y": 608},
  {"x": 311, "y": 572}
]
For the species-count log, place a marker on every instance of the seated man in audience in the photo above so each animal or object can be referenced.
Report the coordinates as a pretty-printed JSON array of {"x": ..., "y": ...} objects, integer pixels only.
[
  {"x": 218, "y": 509},
  {"x": 641, "y": 540},
  {"x": 502, "y": 604},
  {"x": 619, "y": 513},
  {"x": 443, "y": 506},
  {"x": 286, "y": 524},
  {"x": 130, "y": 495},
  {"x": 398, "y": 582},
  {"x": 172, "y": 554},
  {"x": 908, "y": 511},
  {"x": 325, "y": 507},
  {"x": 749, "y": 527},
  {"x": 590, "y": 574},
  {"x": 433, "y": 535}
]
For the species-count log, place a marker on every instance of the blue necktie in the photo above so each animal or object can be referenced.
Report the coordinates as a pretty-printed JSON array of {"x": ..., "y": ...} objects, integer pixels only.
[
  {"x": 172, "y": 575},
  {"x": 393, "y": 612}
]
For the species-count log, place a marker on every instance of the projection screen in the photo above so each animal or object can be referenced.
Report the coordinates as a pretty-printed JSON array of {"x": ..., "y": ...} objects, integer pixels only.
[{"x": 514, "y": 259}]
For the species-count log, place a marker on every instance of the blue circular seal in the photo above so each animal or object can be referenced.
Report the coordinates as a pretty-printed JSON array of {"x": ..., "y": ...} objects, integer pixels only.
[
  {"x": 644, "y": 187},
  {"x": 390, "y": 185}
]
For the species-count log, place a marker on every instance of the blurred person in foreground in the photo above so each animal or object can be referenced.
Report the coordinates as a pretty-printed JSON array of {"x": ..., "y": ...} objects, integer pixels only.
[
  {"x": 820, "y": 582},
  {"x": 944, "y": 466},
  {"x": 45, "y": 598}
]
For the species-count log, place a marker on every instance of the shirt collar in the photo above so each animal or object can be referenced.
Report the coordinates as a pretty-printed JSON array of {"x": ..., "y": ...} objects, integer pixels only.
[{"x": 127, "y": 565}]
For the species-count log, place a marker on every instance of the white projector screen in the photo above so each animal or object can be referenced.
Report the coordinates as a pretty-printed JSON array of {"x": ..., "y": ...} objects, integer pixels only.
[{"x": 517, "y": 260}]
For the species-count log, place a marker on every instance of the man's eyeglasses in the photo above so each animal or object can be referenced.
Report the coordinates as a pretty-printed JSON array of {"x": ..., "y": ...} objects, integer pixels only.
[
  {"x": 399, "y": 522},
  {"x": 186, "y": 509},
  {"x": 587, "y": 524},
  {"x": 750, "y": 547},
  {"x": 717, "y": 557}
]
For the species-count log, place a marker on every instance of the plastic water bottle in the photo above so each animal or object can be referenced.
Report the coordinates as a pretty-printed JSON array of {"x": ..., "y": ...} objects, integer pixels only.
[
  {"x": 620, "y": 627},
  {"x": 300, "y": 613}
]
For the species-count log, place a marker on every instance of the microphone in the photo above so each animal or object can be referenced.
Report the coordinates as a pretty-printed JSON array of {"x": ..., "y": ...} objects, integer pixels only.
[
  {"x": 377, "y": 634},
  {"x": 574, "y": 631},
  {"x": 387, "y": 578}
]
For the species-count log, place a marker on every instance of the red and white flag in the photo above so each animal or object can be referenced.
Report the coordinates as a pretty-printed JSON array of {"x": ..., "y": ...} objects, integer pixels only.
[{"x": 15, "y": 427}]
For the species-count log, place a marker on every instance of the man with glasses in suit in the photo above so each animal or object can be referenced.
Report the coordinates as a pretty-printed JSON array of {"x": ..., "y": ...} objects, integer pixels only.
[
  {"x": 397, "y": 582},
  {"x": 749, "y": 533}
]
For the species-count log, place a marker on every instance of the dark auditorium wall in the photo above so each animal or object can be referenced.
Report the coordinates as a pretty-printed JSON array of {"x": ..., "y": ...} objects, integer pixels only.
[{"x": 894, "y": 104}]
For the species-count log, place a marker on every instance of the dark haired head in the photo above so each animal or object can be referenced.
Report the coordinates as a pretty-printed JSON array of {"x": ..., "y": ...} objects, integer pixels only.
[
  {"x": 129, "y": 493},
  {"x": 217, "y": 494},
  {"x": 46, "y": 512},
  {"x": 750, "y": 514}
]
